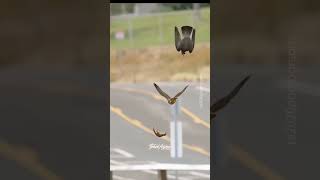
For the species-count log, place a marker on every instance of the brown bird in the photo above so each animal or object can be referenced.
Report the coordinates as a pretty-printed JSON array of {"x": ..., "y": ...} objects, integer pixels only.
[
  {"x": 187, "y": 41},
  {"x": 170, "y": 100},
  {"x": 221, "y": 103},
  {"x": 157, "y": 133}
]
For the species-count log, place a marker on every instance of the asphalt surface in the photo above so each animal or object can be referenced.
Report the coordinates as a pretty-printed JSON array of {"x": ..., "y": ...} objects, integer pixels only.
[
  {"x": 140, "y": 105},
  {"x": 60, "y": 114},
  {"x": 269, "y": 129}
]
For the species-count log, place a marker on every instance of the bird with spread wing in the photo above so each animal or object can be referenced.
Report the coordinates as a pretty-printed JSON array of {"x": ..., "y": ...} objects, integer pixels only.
[
  {"x": 221, "y": 103},
  {"x": 169, "y": 99}
]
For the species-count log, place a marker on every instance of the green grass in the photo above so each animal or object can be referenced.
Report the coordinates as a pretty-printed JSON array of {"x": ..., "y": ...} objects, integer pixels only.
[{"x": 146, "y": 29}]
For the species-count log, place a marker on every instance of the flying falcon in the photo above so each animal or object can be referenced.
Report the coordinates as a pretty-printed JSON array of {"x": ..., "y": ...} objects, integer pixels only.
[
  {"x": 187, "y": 41},
  {"x": 221, "y": 103},
  {"x": 157, "y": 133},
  {"x": 170, "y": 100}
]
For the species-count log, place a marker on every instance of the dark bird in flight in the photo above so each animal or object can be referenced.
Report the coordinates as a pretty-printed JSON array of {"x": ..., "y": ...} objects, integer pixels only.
[
  {"x": 221, "y": 103},
  {"x": 170, "y": 100},
  {"x": 187, "y": 41},
  {"x": 157, "y": 133}
]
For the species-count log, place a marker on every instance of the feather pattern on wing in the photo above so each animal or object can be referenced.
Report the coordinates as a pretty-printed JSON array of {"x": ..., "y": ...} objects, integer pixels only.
[
  {"x": 161, "y": 92},
  {"x": 177, "y": 38},
  {"x": 193, "y": 38},
  {"x": 176, "y": 96}
]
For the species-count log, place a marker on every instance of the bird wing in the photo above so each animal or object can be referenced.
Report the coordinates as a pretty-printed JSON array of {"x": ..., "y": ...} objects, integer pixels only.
[
  {"x": 157, "y": 133},
  {"x": 186, "y": 31},
  {"x": 192, "y": 41},
  {"x": 177, "y": 38},
  {"x": 221, "y": 103},
  {"x": 161, "y": 92},
  {"x": 193, "y": 38},
  {"x": 181, "y": 92}
]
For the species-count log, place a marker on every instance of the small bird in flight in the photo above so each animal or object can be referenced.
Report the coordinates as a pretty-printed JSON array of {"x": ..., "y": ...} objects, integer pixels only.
[
  {"x": 157, "y": 133},
  {"x": 186, "y": 43},
  {"x": 221, "y": 103},
  {"x": 170, "y": 100}
]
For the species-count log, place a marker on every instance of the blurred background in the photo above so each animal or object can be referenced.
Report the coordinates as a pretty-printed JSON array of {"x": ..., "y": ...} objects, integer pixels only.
[
  {"x": 142, "y": 51},
  {"x": 269, "y": 130},
  {"x": 53, "y": 74}
]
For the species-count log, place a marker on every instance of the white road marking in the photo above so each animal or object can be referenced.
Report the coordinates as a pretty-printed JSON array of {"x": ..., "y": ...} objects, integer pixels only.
[
  {"x": 150, "y": 172},
  {"x": 179, "y": 167},
  {"x": 154, "y": 172},
  {"x": 115, "y": 176},
  {"x": 122, "y": 152},
  {"x": 122, "y": 163},
  {"x": 116, "y": 162},
  {"x": 142, "y": 162},
  {"x": 121, "y": 178},
  {"x": 203, "y": 175},
  {"x": 201, "y": 88},
  {"x": 170, "y": 174},
  {"x": 180, "y": 178},
  {"x": 153, "y": 162},
  {"x": 188, "y": 178}
]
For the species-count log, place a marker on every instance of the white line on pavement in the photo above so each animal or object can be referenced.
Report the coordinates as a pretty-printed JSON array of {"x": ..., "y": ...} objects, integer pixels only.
[
  {"x": 121, "y": 178},
  {"x": 201, "y": 88},
  {"x": 203, "y": 175},
  {"x": 170, "y": 173},
  {"x": 121, "y": 163},
  {"x": 123, "y": 152},
  {"x": 116, "y": 162}
]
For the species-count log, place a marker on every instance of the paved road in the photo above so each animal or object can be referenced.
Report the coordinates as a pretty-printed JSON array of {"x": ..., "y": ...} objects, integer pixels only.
[
  {"x": 70, "y": 140},
  {"x": 251, "y": 135},
  {"x": 137, "y": 102}
]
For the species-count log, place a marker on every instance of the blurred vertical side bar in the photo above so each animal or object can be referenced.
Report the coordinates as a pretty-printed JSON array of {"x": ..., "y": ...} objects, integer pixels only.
[
  {"x": 180, "y": 133},
  {"x": 212, "y": 124},
  {"x": 172, "y": 140},
  {"x": 53, "y": 79}
]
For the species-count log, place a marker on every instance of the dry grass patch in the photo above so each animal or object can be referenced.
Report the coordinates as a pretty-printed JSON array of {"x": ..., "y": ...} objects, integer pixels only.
[{"x": 159, "y": 64}]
